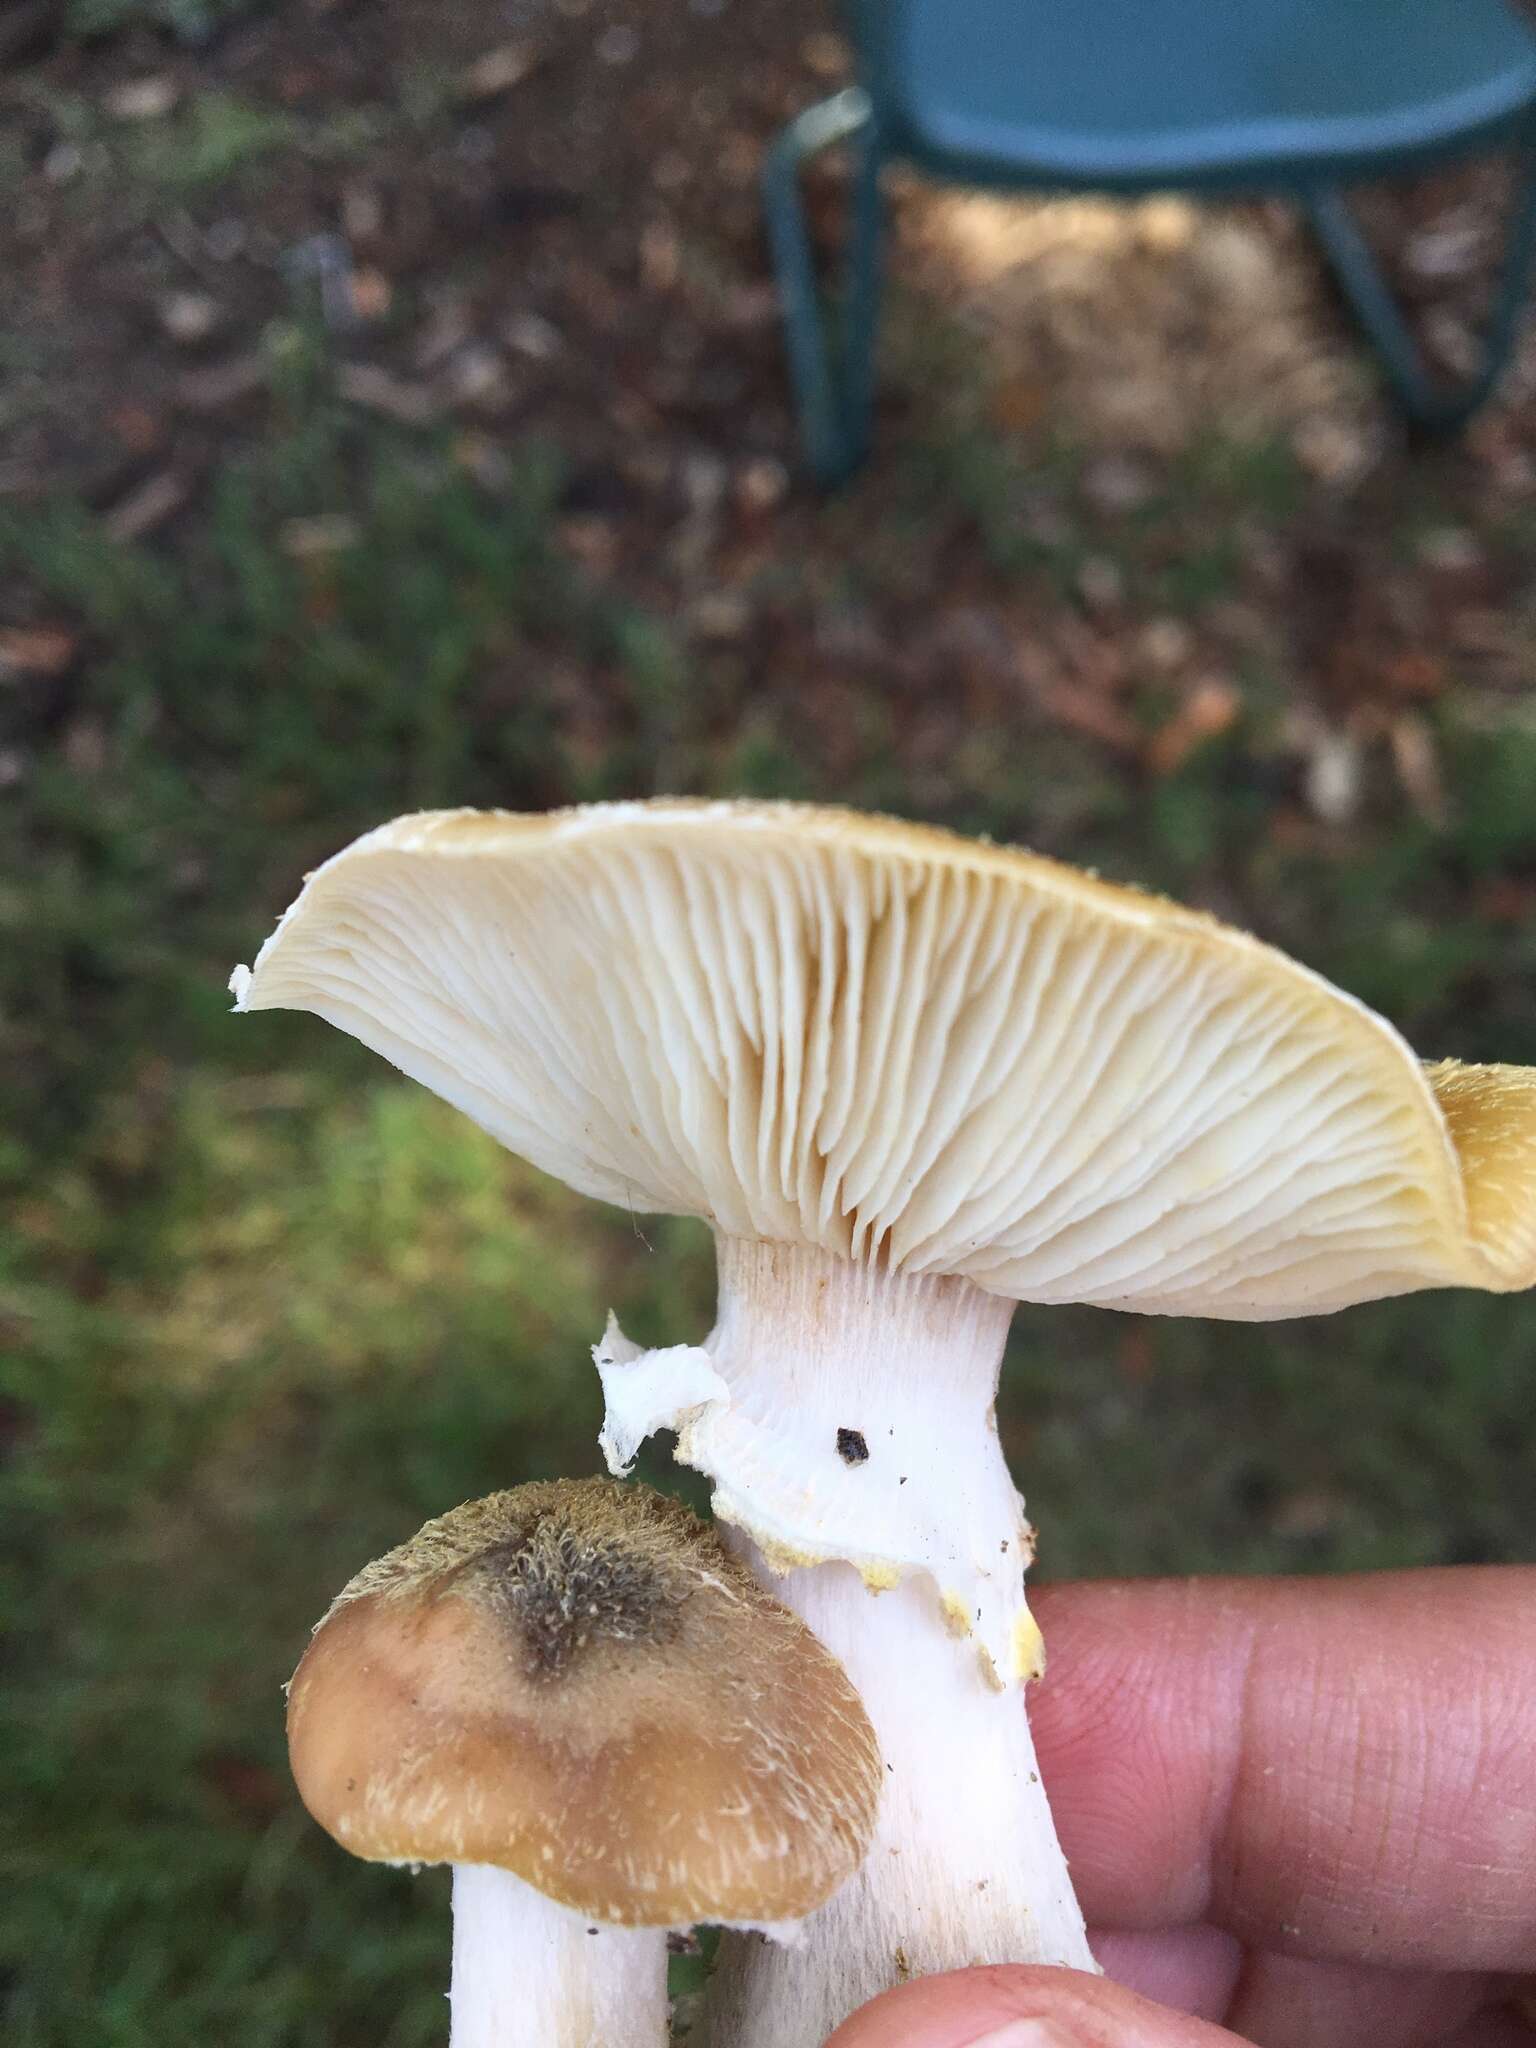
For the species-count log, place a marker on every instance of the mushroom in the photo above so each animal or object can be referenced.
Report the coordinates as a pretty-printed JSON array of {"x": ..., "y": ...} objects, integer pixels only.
[
  {"x": 573, "y": 1694},
  {"x": 910, "y": 1080}
]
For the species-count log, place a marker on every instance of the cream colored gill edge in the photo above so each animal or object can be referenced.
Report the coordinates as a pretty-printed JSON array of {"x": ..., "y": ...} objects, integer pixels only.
[{"x": 468, "y": 833}]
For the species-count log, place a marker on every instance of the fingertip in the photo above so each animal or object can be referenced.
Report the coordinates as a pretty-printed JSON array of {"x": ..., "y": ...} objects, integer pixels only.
[
  {"x": 1021, "y": 2006},
  {"x": 962, "y": 2009}
]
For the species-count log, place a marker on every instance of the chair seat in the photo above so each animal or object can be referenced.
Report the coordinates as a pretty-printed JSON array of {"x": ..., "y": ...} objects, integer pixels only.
[{"x": 1135, "y": 93}]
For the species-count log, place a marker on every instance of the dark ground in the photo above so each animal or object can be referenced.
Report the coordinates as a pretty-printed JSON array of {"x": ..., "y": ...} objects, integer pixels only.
[{"x": 393, "y": 414}]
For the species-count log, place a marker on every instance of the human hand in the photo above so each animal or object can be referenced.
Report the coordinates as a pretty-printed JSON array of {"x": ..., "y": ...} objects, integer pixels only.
[{"x": 1305, "y": 1810}]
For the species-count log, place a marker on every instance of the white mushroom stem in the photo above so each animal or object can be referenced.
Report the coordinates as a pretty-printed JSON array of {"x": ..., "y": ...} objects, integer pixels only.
[
  {"x": 846, "y": 1413},
  {"x": 528, "y": 1973},
  {"x": 964, "y": 1868}
]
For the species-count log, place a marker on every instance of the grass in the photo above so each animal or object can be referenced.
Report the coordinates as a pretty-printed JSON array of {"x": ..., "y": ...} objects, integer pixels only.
[
  {"x": 214, "y": 138},
  {"x": 264, "y": 1306},
  {"x": 214, "y": 143},
  {"x": 273, "y": 1310},
  {"x": 190, "y": 21}
]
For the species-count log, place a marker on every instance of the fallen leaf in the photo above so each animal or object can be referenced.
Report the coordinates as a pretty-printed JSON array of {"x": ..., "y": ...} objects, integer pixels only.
[
  {"x": 1414, "y": 673},
  {"x": 362, "y": 211},
  {"x": 448, "y": 328},
  {"x": 188, "y": 317},
  {"x": 1115, "y": 484},
  {"x": 1417, "y": 761},
  {"x": 1451, "y": 249},
  {"x": 750, "y": 306},
  {"x": 590, "y": 539},
  {"x": 142, "y": 99},
  {"x": 1018, "y": 403},
  {"x": 36, "y": 650},
  {"x": 84, "y": 747},
  {"x": 477, "y": 376},
  {"x": 1482, "y": 631},
  {"x": 1450, "y": 550},
  {"x": 1097, "y": 660},
  {"x": 497, "y": 71},
  {"x": 377, "y": 390},
  {"x": 825, "y": 54},
  {"x": 1087, "y": 712},
  {"x": 1333, "y": 451},
  {"x": 720, "y": 615},
  {"x": 1507, "y": 899},
  {"x": 323, "y": 533},
  {"x": 660, "y": 256},
  {"x": 1100, "y": 583},
  {"x": 296, "y": 83},
  {"x": 225, "y": 239},
  {"x": 485, "y": 460},
  {"x": 1332, "y": 778},
  {"x": 221, "y": 384},
  {"x": 529, "y": 334},
  {"x": 740, "y": 158},
  {"x": 760, "y": 485},
  {"x": 618, "y": 45},
  {"x": 136, "y": 427},
  {"x": 1210, "y": 709},
  {"x": 1165, "y": 644},
  {"x": 1452, "y": 340},
  {"x": 1295, "y": 831},
  {"x": 149, "y": 506},
  {"x": 372, "y": 294}
]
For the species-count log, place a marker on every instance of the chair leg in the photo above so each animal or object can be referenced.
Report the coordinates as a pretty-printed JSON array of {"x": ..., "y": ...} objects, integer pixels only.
[
  {"x": 833, "y": 382},
  {"x": 1427, "y": 401}
]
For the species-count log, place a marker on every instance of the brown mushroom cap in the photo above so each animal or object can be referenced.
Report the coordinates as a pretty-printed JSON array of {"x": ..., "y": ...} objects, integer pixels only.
[{"x": 577, "y": 1682}]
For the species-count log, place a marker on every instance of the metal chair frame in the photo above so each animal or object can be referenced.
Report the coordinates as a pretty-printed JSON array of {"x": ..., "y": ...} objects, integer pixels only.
[{"x": 832, "y": 360}]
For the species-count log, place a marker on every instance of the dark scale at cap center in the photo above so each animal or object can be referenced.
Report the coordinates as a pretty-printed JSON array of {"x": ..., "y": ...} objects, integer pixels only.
[{"x": 563, "y": 1591}]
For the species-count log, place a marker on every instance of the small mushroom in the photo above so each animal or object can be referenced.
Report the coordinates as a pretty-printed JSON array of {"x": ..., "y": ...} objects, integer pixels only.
[
  {"x": 573, "y": 1694},
  {"x": 910, "y": 1080}
]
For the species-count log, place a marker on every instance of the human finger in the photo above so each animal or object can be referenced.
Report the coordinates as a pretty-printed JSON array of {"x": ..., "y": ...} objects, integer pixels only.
[
  {"x": 1193, "y": 1969},
  {"x": 1300, "y": 2002},
  {"x": 1014, "y": 2006},
  {"x": 1340, "y": 1768}
]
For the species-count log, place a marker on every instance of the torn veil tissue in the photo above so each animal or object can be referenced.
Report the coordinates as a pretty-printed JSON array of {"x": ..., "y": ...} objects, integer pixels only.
[{"x": 644, "y": 1391}]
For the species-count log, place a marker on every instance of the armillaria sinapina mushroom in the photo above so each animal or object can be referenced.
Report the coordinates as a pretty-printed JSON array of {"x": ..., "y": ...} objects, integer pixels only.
[
  {"x": 573, "y": 1694},
  {"x": 910, "y": 1080}
]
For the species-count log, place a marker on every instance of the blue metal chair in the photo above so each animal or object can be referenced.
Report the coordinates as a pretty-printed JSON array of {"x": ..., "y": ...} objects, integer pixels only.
[{"x": 1300, "y": 97}]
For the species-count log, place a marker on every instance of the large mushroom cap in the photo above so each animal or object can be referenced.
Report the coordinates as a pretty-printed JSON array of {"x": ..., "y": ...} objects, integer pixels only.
[
  {"x": 576, "y": 1682},
  {"x": 909, "y": 1048}
]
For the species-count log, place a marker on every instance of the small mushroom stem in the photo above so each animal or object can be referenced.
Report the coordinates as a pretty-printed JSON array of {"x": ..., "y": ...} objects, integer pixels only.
[
  {"x": 861, "y": 1407},
  {"x": 528, "y": 1973}
]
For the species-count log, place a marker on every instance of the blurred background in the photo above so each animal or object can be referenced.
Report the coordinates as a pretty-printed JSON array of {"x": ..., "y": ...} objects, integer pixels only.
[{"x": 392, "y": 413}]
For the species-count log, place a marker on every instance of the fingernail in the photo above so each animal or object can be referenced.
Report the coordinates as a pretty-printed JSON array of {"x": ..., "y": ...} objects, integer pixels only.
[{"x": 1027, "y": 2034}]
